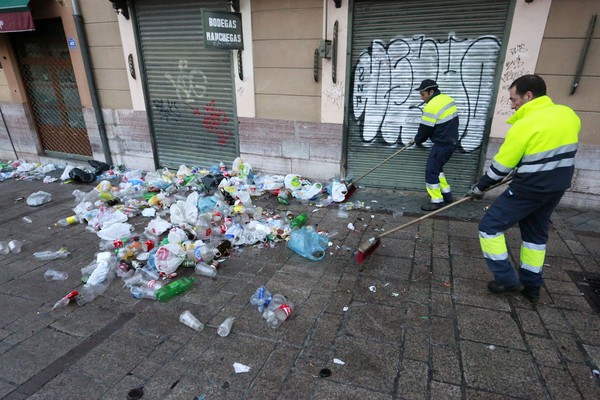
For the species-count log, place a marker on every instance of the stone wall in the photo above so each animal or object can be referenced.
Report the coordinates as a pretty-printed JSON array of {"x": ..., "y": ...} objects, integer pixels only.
[{"x": 312, "y": 150}]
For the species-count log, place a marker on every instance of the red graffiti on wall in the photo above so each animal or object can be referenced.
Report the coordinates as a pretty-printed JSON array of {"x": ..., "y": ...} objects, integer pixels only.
[{"x": 215, "y": 122}]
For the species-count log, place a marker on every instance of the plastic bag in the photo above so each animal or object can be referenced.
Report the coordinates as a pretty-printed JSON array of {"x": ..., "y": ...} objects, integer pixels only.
[
  {"x": 338, "y": 191},
  {"x": 169, "y": 257},
  {"x": 308, "y": 243},
  {"x": 158, "y": 226},
  {"x": 185, "y": 211},
  {"x": 115, "y": 231},
  {"x": 38, "y": 198}
]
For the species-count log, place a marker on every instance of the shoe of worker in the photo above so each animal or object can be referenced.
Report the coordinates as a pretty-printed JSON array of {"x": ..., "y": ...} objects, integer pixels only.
[
  {"x": 432, "y": 206},
  {"x": 532, "y": 294},
  {"x": 500, "y": 288}
]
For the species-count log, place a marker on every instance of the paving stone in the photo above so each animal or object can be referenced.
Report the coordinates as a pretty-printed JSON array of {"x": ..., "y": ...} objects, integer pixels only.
[
  {"x": 470, "y": 292},
  {"x": 582, "y": 375},
  {"x": 506, "y": 371},
  {"x": 470, "y": 268},
  {"x": 488, "y": 326},
  {"x": 446, "y": 365},
  {"x": 441, "y": 305},
  {"x": 377, "y": 361},
  {"x": 593, "y": 353},
  {"x": 440, "y": 390},
  {"x": 413, "y": 380},
  {"x": 531, "y": 322},
  {"x": 376, "y": 321},
  {"x": 327, "y": 390},
  {"x": 544, "y": 351},
  {"x": 568, "y": 346},
  {"x": 559, "y": 383}
]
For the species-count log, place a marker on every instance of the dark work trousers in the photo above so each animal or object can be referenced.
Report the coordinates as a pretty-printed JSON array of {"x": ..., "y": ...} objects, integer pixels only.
[
  {"x": 438, "y": 156},
  {"x": 533, "y": 216}
]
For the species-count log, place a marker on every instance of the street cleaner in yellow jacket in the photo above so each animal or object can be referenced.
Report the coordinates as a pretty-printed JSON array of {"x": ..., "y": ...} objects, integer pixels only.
[
  {"x": 539, "y": 150},
  {"x": 439, "y": 123}
]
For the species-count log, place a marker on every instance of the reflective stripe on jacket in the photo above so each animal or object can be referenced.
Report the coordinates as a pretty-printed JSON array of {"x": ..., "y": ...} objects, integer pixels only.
[
  {"x": 439, "y": 121},
  {"x": 540, "y": 147}
]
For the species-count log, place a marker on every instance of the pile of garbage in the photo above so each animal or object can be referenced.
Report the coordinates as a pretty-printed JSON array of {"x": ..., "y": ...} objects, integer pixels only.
[{"x": 196, "y": 217}]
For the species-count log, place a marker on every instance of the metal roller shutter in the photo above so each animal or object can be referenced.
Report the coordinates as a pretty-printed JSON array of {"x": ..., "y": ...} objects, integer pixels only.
[
  {"x": 189, "y": 87},
  {"x": 397, "y": 44}
]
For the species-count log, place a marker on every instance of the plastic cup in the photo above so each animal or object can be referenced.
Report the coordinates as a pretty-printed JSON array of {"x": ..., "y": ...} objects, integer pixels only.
[
  {"x": 54, "y": 275},
  {"x": 4, "y": 248},
  {"x": 188, "y": 319},
  {"x": 14, "y": 246}
]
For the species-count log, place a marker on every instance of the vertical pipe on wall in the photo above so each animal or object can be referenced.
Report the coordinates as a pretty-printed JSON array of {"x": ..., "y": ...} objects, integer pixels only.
[{"x": 87, "y": 63}]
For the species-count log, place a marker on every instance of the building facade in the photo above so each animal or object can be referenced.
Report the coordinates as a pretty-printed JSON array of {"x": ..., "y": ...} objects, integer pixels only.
[{"x": 319, "y": 88}]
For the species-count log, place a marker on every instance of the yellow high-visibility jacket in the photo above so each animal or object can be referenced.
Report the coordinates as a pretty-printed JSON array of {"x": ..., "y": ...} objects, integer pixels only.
[
  {"x": 540, "y": 146},
  {"x": 439, "y": 121}
]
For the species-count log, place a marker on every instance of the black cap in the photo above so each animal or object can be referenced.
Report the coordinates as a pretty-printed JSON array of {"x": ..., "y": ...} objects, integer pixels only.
[{"x": 427, "y": 84}]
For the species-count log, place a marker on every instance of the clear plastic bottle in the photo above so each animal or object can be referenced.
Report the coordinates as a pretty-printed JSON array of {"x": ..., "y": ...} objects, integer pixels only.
[
  {"x": 143, "y": 292},
  {"x": 54, "y": 275},
  {"x": 261, "y": 298},
  {"x": 205, "y": 269},
  {"x": 280, "y": 314},
  {"x": 64, "y": 222},
  {"x": 52, "y": 255},
  {"x": 225, "y": 327},
  {"x": 65, "y": 300},
  {"x": 4, "y": 248}
]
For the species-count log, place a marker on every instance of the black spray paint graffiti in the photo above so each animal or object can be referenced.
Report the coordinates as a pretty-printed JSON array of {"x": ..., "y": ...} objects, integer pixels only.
[
  {"x": 388, "y": 109},
  {"x": 167, "y": 109}
]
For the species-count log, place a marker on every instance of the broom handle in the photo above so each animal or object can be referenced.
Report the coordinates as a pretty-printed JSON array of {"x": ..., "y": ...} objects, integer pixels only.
[
  {"x": 439, "y": 210},
  {"x": 384, "y": 161}
]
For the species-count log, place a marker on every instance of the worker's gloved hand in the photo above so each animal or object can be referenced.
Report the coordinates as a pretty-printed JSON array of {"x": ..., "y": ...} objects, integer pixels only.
[{"x": 474, "y": 193}]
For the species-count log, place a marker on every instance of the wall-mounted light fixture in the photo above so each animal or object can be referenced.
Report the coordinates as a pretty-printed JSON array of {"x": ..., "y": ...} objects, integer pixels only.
[
  {"x": 121, "y": 7},
  {"x": 338, "y": 3}
]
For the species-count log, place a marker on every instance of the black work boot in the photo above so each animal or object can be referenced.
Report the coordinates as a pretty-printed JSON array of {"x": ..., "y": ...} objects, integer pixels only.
[
  {"x": 432, "y": 206},
  {"x": 499, "y": 288},
  {"x": 532, "y": 294},
  {"x": 448, "y": 198}
]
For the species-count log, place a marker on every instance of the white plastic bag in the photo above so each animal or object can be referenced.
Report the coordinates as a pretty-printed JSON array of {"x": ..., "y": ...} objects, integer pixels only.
[
  {"x": 158, "y": 226},
  {"x": 185, "y": 212},
  {"x": 38, "y": 198},
  {"x": 65, "y": 175},
  {"x": 169, "y": 257},
  {"x": 115, "y": 231},
  {"x": 338, "y": 191}
]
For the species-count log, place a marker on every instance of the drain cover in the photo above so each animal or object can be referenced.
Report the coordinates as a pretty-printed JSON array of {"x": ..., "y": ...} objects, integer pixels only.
[{"x": 589, "y": 285}]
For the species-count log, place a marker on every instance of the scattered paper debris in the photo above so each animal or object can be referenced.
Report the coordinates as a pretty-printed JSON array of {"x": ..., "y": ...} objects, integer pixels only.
[
  {"x": 338, "y": 361},
  {"x": 345, "y": 308},
  {"x": 240, "y": 368},
  {"x": 394, "y": 294},
  {"x": 492, "y": 347},
  {"x": 373, "y": 289},
  {"x": 351, "y": 226}
]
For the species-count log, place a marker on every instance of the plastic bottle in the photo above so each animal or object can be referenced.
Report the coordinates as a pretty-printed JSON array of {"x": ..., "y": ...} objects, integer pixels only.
[
  {"x": 143, "y": 292},
  {"x": 187, "y": 318},
  {"x": 4, "y": 248},
  {"x": 65, "y": 300},
  {"x": 280, "y": 314},
  {"x": 52, "y": 255},
  {"x": 261, "y": 298},
  {"x": 299, "y": 221},
  {"x": 27, "y": 220},
  {"x": 64, "y": 222},
  {"x": 54, "y": 275},
  {"x": 225, "y": 327},
  {"x": 174, "y": 288},
  {"x": 14, "y": 246},
  {"x": 90, "y": 292},
  {"x": 204, "y": 269}
]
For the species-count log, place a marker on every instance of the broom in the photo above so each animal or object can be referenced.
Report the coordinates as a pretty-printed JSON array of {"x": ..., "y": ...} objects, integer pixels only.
[
  {"x": 352, "y": 187},
  {"x": 368, "y": 247}
]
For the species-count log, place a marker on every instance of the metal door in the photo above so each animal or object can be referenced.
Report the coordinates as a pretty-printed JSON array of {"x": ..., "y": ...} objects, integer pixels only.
[
  {"x": 397, "y": 44},
  {"x": 49, "y": 80},
  {"x": 189, "y": 87}
]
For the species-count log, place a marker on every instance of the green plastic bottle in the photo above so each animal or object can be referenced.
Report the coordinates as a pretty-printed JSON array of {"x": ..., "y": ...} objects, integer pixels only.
[
  {"x": 299, "y": 221},
  {"x": 174, "y": 288}
]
